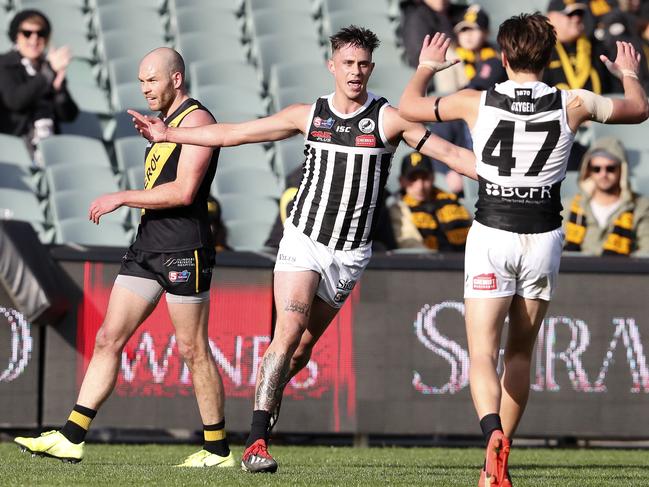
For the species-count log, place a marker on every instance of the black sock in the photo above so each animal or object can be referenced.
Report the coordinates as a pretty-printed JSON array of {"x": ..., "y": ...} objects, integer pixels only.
[
  {"x": 259, "y": 427},
  {"x": 489, "y": 424},
  {"x": 215, "y": 439},
  {"x": 78, "y": 423}
]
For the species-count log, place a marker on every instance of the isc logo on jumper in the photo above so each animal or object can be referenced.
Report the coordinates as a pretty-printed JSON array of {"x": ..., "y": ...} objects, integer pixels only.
[{"x": 182, "y": 276}]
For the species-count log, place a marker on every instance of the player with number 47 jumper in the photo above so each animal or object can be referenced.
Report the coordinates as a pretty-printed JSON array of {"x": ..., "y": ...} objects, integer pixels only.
[{"x": 522, "y": 133}]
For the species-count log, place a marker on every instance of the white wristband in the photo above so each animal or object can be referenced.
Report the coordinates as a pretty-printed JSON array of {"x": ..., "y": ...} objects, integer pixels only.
[
  {"x": 436, "y": 66},
  {"x": 629, "y": 73}
]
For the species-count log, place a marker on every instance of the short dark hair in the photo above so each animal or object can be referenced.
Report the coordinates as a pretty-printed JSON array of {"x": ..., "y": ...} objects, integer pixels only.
[
  {"x": 527, "y": 40},
  {"x": 354, "y": 36},
  {"x": 32, "y": 15}
]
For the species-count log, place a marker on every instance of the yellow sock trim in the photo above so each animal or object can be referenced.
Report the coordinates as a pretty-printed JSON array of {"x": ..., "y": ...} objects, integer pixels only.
[
  {"x": 214, "y": 435},
  {"x": 80, "y": 419}
]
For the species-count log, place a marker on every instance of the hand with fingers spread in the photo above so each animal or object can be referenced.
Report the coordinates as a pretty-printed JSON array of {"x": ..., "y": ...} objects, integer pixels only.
[
  {"x": 151, "y": 128},
  {"x": 433, "y": 53},
  {"x": 626, "y": 63},
  {"x": 102, "y": 205}
]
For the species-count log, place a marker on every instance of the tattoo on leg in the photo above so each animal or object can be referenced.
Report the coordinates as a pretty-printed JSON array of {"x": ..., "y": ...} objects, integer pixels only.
[
  {"x": 272, "y": 379},
  {"x": 297, "y": 306}
]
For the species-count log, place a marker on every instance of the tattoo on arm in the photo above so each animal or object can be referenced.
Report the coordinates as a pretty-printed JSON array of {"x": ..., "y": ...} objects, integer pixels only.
[
  {"x": 272, "y": 380},
  {"x": 297, "y": 306}
]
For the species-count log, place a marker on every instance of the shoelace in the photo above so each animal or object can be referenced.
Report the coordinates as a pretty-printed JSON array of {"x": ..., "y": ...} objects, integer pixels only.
[{"x": 259, "y": 449}]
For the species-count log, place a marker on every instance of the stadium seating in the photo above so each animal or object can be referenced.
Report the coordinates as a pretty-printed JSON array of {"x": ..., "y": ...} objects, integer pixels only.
[
  {"x": 84, "y": 232},
  {"x": 273, "y": 49},
  {"x": 129, "y": 152},
  {"x": 64, "y": 177},
  {"x": 289, "y": 154},
  {"x": 14, "y": 151},
  {"x": 74, "y": 204},
  {"x": 302, "y": 6},
  {"x": 118, "y": 44},
  {"x": 133, "y": 17},
  {"x": 16, "y": 177},
  {"x": 122, "y": 126},
  {"x": 201, "y": 46},
  {"x": 215, "y": 96},
  {"x": 123, "y": 70},
  {"x": 249, "y": 156},
  {"x": 67, "y": 149},
  {"x": 128, "y": 95},
  {"x": 246, "y": 180},
  {"x": 16, "y": 204},
  {"x": 271, "y": 21},
  {"x": 632, "y": 136},
  {"x": 313, "y": 75},
  {"x": 242, "y": 207},
  {"x": 135, "y": 177},
  {"x": 217, "y": 18},
  {"x": 248, "y": 234},
  {"x": 226, "y": 73}
]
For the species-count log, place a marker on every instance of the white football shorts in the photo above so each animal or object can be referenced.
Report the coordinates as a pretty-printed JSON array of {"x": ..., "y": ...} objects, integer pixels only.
[
  {"x": 499, "y": 263},
  {"x": 339, "y": 270}
]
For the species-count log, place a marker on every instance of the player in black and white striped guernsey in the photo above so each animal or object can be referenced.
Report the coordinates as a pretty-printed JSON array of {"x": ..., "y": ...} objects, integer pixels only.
[
  {"x": 522, "y": 133},
  {"x": 350, "y": 137}
]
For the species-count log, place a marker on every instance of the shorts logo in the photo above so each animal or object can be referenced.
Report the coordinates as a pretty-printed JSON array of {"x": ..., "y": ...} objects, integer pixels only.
[
  {"x": 320, "y": 123},
  {"x": 365, "y": 141},
  {"x": 182, "y": 276},
  {"x": 366, "y": 125},
  {"x": 344, "y": 287},
  {"x": 180, "y": 262},
  {"x": 286, "y": 258},
  {"x": 485, "y": 282},
  {"x": 321, "y": 135}
]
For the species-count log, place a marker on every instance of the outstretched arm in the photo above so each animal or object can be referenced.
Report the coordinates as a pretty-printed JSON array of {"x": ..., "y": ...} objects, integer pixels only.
[
  {"x": 286, "y": 123},
  {"x": 459, "y": 159},
  {"x": 417, "y": 107},
  {"x": 633, "y": 108}
]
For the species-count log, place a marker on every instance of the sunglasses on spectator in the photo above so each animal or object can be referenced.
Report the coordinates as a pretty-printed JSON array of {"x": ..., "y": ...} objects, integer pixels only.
[
  {"x": 608, "y": 169},
  {"x": 28, "y": 33},
  {"x": 577, "y": 13}
]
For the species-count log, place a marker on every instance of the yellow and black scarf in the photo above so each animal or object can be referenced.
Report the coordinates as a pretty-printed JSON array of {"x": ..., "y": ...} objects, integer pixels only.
[
  {"x": 577, "y": 68},
  {"x": 470, "y": 60},
  {"x": 442, "y": 222},
  {"x": 620, "y": 241}
]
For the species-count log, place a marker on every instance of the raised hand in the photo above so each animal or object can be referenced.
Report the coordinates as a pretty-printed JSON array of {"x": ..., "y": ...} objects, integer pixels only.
[
  {"x": 59, "y": 58},
  {"x": 151, "y": 128},
  {"x": 626, "y": 63},
  {"x": 433, "y": 52}
]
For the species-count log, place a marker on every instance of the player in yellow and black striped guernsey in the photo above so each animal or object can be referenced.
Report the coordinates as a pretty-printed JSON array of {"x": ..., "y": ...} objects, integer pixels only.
[{"x": 173, "y": 252}]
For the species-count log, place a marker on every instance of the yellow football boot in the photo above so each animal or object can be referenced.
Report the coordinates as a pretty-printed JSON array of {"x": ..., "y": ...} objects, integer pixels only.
[
  {"x": 52, "y": 444},
  {"x": 204, "y": 458}
]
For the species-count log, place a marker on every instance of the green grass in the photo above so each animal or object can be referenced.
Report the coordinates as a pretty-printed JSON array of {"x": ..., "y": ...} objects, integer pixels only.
[{"x": 151, "y": 465}]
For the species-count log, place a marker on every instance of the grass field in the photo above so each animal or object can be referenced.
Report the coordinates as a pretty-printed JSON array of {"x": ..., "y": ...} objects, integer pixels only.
[{"x": 151, "y": 465}]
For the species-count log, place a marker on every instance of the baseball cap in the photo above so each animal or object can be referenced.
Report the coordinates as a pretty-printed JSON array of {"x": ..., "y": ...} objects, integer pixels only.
[
  {"x": 416, "y": 162},
  {"x": 567, "y": 6},
  {"x": 473, "y": 17}
]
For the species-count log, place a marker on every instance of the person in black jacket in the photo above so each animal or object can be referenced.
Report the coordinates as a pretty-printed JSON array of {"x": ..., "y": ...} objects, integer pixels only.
[{"x": 33, "y": 94}]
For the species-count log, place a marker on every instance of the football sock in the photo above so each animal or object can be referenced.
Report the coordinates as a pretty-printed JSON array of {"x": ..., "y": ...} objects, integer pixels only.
[
  {"x": 215, "y": 439},
  {"x": 489, "y": 424},
  {"x": 78, "y": 423},
  {"x": 259, "y": 426}
]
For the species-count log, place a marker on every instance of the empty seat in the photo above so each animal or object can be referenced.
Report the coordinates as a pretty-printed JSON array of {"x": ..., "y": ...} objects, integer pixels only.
[
  {"x": 296, "y": 94},
  {"x": 246, "y": 180},
  {"x": 232, "y": 115},
  {"x": 74, "y": 204},
  {"x": 14, "y": 151},
  {"x": 313, "y": 74},
  {"x": 241, "y": 207},
  {"x": 64, "y": 177},
  {"x": 66, "y": 149},
  {"x": 16, "y": 204},
  {"x": 128, "y": 96},
  {"x": 85, "y": 124},
  {"x": 118, "y": 44},
  {"x": 303, "y": 6},
  {"x": 201, "y": 46},
  {"x": 389, "y": 80},
  {"x": 289, "y": 155},
  {"x": 332, "y": 6},
  {"x": 84, "y": 232},
  {"x": 134, "y": 17},
  {"x": 377, "y": 21},
  {"x": 227, "y": 73},
  {"x": 230, "y": 98},
  {"x": 247, "y": 234},
  {"x": 122, "y": 125},
  {"x": 249, "y": 155},
  {"x": 129, "y": 152},
  {"x": 276, "y": 21},
  {"x": 275, "y": 49},
  {"x": 90, "y": 98},
  {"x": 13, "y": 176},
  {"x": 123, "y": 70},
  {"x": 215, "y": 18}
]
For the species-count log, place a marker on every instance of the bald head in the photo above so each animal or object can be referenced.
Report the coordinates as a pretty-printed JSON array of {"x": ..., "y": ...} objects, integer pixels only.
[
  {"x": 162, "y": 78},
  {"x": 166, "y": 60}
]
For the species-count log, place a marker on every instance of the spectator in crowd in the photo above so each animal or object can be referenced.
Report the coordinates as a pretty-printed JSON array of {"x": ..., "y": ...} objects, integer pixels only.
[
  {"x": 33, "y": 93},
  {"x": 482, "y": 65},
  {"x": 425, "y": 216},
  {"x": 219, "y": 232},
  {"x": 606, "y": 217},
  {"x": 575, "y": 61}
]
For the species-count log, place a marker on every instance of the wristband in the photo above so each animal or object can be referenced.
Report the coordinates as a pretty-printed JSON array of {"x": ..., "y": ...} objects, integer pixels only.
[
  {"x": 422, "y": 141},
  {"x": 436, "y": 108},
  {"x": 629, "y": 73}
]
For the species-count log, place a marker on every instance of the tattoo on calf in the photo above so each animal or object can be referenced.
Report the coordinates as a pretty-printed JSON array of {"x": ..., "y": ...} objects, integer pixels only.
[
  {"x": 272, "y": 379},
  {"x": 297, "y": 306}
]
